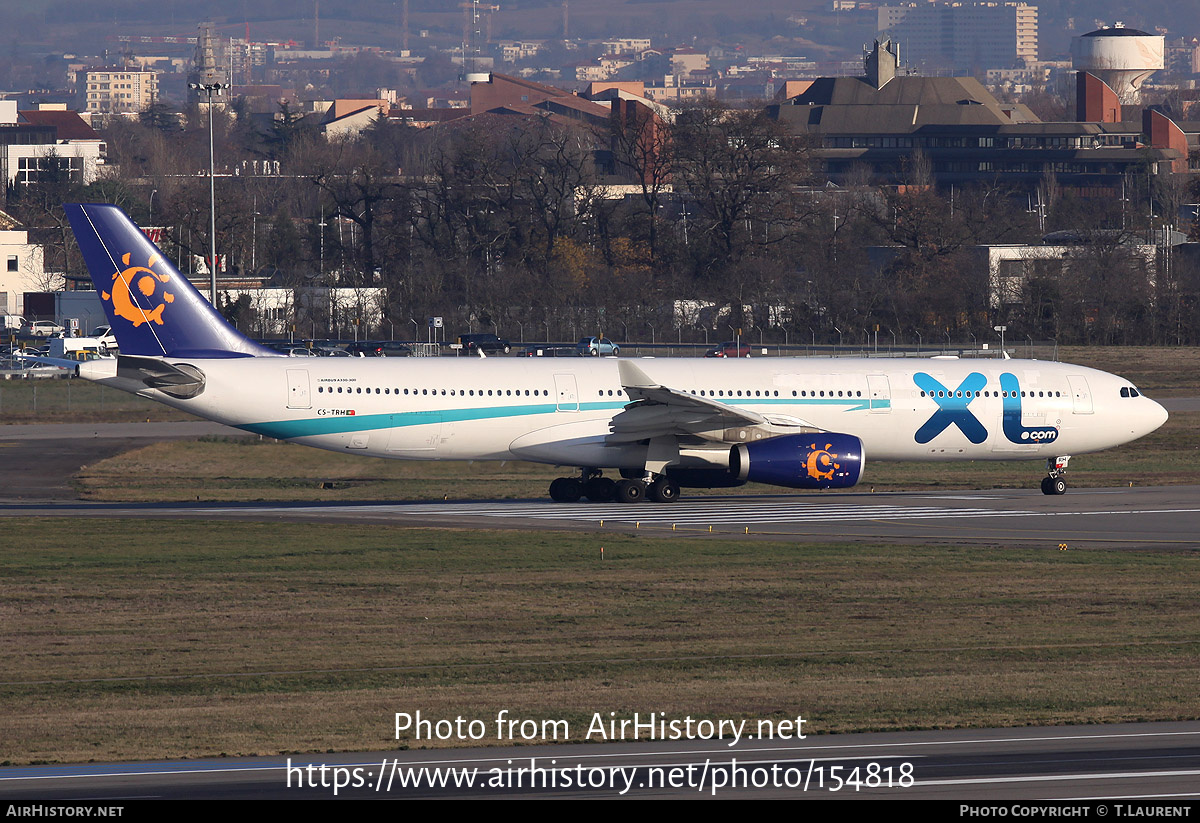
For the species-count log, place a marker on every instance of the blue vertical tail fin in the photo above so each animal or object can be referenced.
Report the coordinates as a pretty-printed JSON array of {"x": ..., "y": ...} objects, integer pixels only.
[{"x": 153, "y": 310}]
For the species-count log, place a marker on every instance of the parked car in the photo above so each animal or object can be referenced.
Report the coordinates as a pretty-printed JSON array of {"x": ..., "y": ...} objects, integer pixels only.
[
  {"x": 105, "y": 338},
  {"x": 729, "y": 349},
  {"x": 393, "y": 349},
  {"x": 40, "y": 328},
  {"x": 365, "y": 348},
  {"x": 597, "y": 347},
  {"x": 487, "y": 343}
]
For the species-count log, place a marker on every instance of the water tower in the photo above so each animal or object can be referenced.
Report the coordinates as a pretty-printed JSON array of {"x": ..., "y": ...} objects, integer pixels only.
[{"x": 1123, "y": 58}]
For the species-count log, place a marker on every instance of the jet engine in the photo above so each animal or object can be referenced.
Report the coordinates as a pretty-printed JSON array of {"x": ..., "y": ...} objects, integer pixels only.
[{"x": 824, "y": 460}]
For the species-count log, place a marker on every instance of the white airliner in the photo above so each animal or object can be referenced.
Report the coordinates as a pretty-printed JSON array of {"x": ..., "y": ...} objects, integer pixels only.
[{"x": 659, "y": 423}]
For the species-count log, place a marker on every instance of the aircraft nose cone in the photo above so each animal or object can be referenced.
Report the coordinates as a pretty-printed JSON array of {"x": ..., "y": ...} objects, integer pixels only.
[{"x": 1157, "y": 416}]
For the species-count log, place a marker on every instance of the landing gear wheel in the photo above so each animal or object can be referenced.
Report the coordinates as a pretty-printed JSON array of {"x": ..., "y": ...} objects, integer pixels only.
[
  {"x": 1054, "y": 485},
  {"x": 663, "y": 490},
  {"x": 566, "y": 490},
  {"x": 600, "y": 489},
  {"x": 630, "y": 491}
]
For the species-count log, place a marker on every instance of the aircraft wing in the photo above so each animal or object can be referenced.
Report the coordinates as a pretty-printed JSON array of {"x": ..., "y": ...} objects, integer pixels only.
[
  {"x": 659, "y": 411},
  {"x": 47, "y": 360}
]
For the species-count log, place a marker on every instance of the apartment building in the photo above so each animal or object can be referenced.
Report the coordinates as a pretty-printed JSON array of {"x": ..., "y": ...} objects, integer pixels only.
[
  {"x": 962, "y": 37},
  {"x": 118, "y": 90}
]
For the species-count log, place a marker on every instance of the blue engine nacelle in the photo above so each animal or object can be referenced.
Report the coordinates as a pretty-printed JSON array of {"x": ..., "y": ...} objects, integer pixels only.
[{"x": 826, "y": 460}]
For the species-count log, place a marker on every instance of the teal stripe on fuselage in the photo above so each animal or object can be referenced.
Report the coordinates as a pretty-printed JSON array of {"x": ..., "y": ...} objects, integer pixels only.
[{"x": 341, "y": 424}]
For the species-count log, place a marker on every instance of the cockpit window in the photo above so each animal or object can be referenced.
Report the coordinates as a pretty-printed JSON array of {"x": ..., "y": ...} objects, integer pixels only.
[{"x": 1124, "y": 391}]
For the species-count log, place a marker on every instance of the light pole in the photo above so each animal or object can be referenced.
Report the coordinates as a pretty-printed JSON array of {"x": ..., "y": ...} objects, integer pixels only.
[
  {"x": 254, "y": 236},
  {"x": 211, "y": 89}
]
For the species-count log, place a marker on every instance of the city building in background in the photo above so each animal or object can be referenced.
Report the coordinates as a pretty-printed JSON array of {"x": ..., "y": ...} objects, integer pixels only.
[{"x": 962, "y": 37}]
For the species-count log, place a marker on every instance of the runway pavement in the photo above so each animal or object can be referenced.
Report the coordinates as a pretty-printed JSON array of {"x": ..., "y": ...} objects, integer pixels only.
[
  {"x": 40, "y": 460},
  {"x": 1140, "y": 518},
  {"x": 1154, "y": 763},
  {"x": 1146, "y": 764}
]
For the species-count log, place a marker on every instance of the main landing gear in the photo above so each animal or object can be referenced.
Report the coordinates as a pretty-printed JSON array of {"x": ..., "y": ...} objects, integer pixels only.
[
  {"x": 1056, "y": 467},
  {"x": 589, "y": 484},
  {"x": 598, "y": 489}
]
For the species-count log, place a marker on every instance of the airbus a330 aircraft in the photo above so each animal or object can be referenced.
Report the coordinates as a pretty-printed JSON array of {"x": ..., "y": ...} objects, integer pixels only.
[{"x": 660, "y": 423}]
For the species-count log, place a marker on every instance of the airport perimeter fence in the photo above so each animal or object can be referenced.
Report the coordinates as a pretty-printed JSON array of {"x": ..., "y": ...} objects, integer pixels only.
[
  {"x": 1027, "y": 349},
  {"x": 882, "y": 346},
  {"x": 30, "y": 400}
]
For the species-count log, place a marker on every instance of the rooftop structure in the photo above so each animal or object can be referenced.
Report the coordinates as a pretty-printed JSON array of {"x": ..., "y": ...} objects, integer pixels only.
[
  {"x": 879, "y": 120},
  {"x": 1122, "y": 58},
  {"x": 47, "y": 140}
]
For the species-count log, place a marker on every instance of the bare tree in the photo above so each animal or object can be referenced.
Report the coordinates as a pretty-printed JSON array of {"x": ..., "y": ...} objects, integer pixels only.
[
  {"x": 362, "y": 188},
  {"x": 739, "y": 166},
  {"x": 642, "y": 147}
]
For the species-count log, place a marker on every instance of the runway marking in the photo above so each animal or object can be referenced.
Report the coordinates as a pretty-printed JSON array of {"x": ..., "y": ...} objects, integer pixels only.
[
  {"x": 681, "y": 514},
  {"x": 689, "y": 514}
]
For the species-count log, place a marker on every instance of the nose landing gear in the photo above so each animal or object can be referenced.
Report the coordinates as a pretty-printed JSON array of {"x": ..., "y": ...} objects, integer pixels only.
[{"x": 1054, "y": 482}]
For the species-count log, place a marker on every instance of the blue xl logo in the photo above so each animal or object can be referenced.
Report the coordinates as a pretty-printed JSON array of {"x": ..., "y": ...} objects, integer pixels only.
[
  {"x": 952, "y": 407},
  {"x": 1013, "y": 429}
]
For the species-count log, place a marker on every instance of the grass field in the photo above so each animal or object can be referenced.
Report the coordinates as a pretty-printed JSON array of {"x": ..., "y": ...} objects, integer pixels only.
[
  {"x": 135, "y": 639},
  {"x": 127, "y": 639},
  {"x": 76, "y": 401}
]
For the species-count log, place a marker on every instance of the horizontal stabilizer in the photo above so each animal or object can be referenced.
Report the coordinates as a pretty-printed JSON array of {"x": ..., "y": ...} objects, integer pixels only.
[{"x": 180, "y": 380}]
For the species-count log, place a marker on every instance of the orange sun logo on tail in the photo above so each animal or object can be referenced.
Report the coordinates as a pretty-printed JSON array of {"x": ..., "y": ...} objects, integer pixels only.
[
  {"x": 820, "y": 465},
  {"x": 146, "y": 281}
]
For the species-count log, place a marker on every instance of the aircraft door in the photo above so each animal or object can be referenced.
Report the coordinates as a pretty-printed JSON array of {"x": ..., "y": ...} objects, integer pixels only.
[
  {"x": 298, "y": 392},
  {"x": 880, "y": 391},
  {"x": 1081, "y": 395},
  {"x": 567, "y": 392}
]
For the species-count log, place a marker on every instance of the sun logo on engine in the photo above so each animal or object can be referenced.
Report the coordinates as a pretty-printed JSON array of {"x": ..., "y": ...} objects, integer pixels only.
[
  {"x": 146, "y": 281},
  {"x": 820, "y": 464}
]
